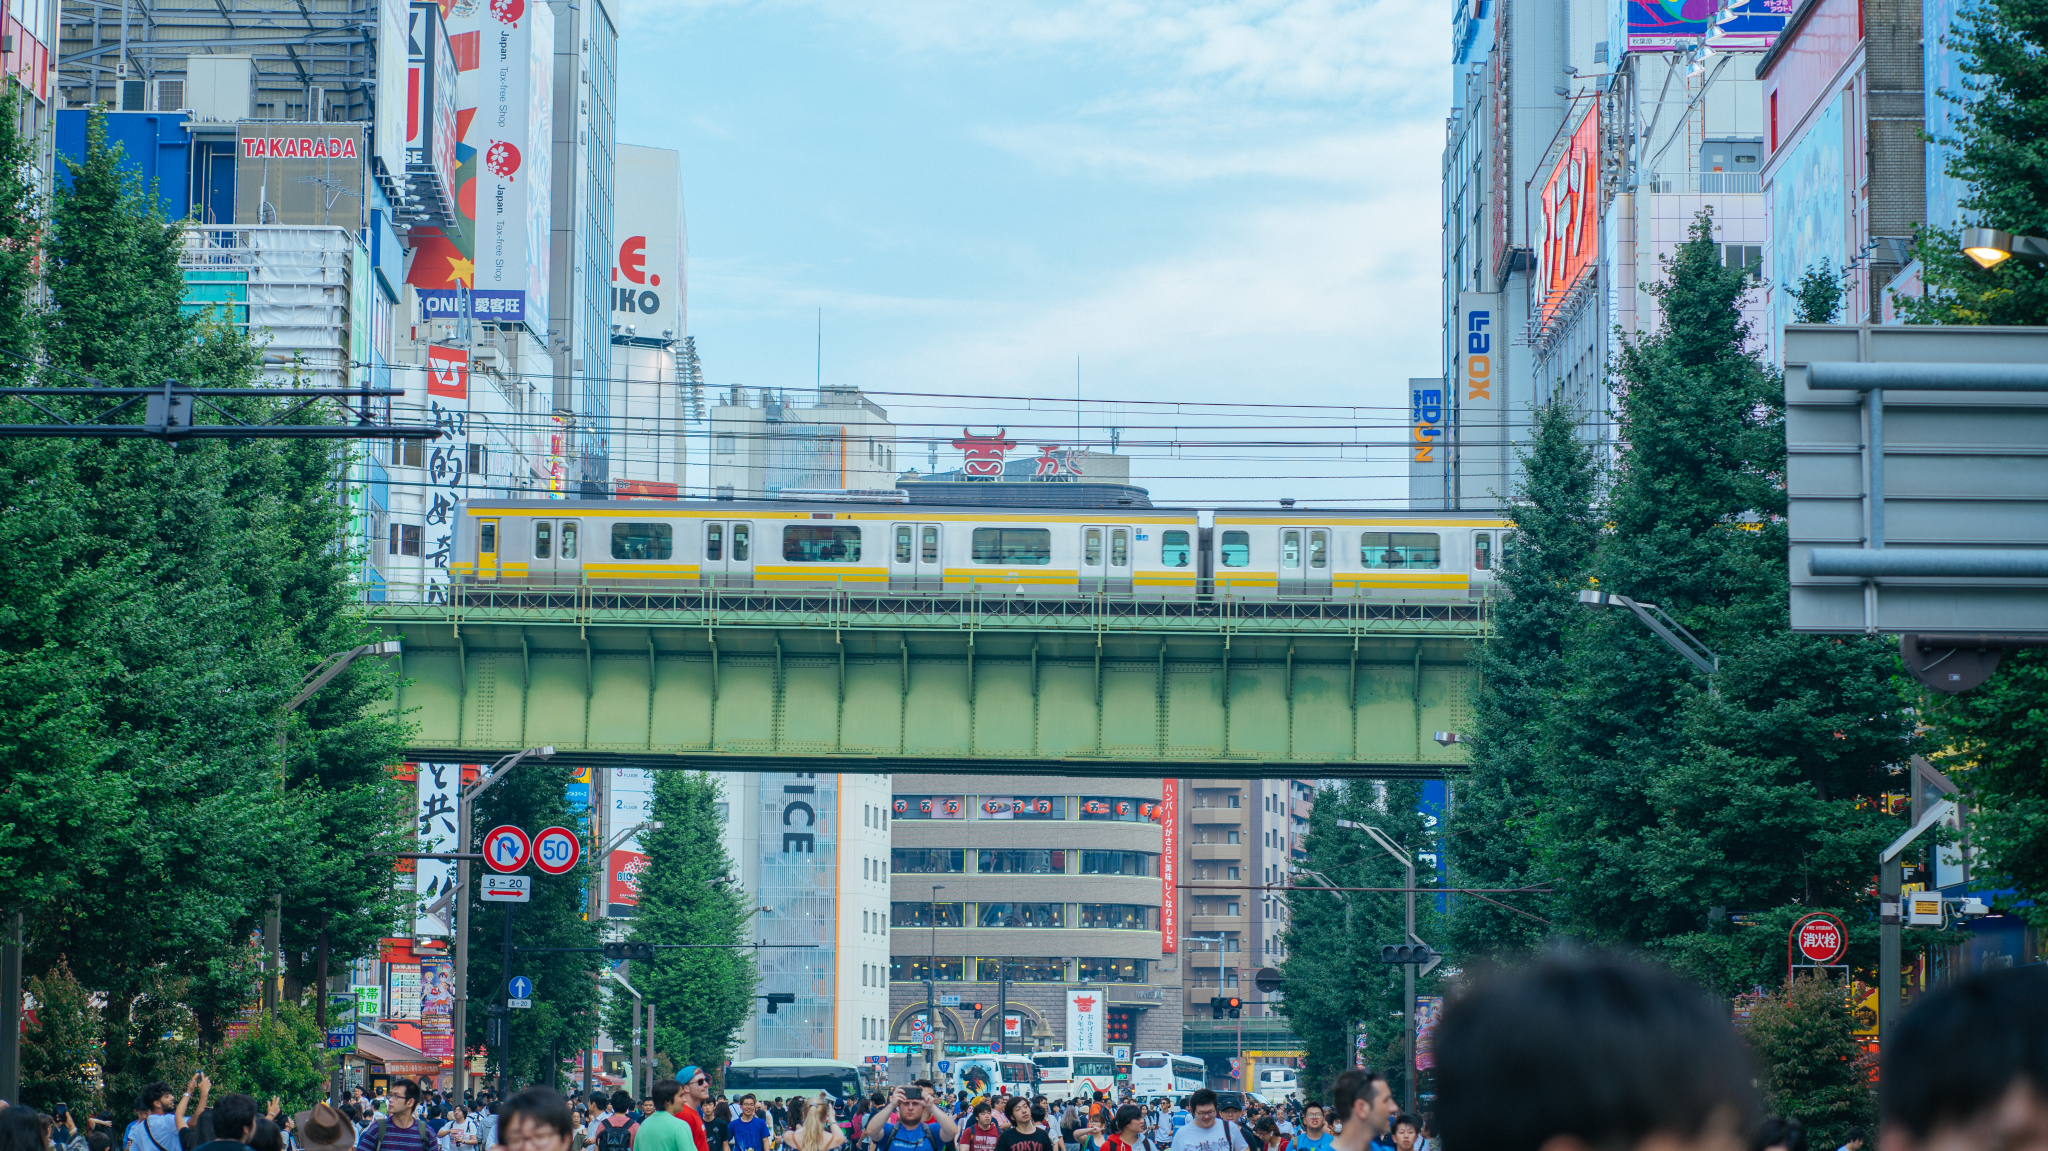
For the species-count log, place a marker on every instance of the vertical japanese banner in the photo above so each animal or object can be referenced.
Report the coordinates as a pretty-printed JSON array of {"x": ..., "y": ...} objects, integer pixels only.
[
  {"x": 1169, "y": 866},
  {"x": 437, "y": 1006},
  {"x": 447, "y": 460},
  {"x": 435, "y": 819}
]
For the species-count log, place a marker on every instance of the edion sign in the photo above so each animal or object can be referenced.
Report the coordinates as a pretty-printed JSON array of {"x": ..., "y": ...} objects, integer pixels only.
[{"x": 1819, "y": 939}]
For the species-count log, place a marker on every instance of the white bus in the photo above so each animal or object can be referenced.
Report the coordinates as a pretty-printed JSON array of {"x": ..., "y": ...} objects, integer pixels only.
[
  {"x": 996, "y": 1074},
  {"x": 1069, "y": 1074},
  {"x": 777, "y": 1078},
  {"x": 1166, "y": 1073},
  {"x": 1277, "y": 1083}
]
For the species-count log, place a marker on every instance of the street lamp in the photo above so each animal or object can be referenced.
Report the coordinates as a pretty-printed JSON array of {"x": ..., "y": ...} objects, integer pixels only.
[
  {"x": 322, "y": 674},
  {"x": 1408, "y": 970},
  {"x": 1990, "y": 247},
  {"x": 1659, "y": 621},
  {"x": 931, "y": 975},
  {"x": 465, "y": 806}
]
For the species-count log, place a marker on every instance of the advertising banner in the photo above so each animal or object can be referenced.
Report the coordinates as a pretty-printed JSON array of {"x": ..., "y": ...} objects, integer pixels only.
[
  {"x": 341, "y": 1021},
  {"x": 405, "y": 991},
  {"x": 798, "y": 860},
  {"x": 648, "y": 289},
  {"x": 1665, "y": 25},
  {"x": 1084, "y": 1020},
  {"x": 1169, "y": 866},
  {"x": 1426, "y": 414},
  {"x": 369, "y": 1001},
  {"x": 431, "y": 131},
  {"x": 448, "y": 372},
  {"x": 629, "y": 799},
  {"x": 622, "y": 883},
  {"x": 1571, "y": 217},
  {"x": 436, "y": 789},
  {"x": 1428, "y": 1009},
  {"x": 307, "y": 174},
  {"x": 437, "y": 1006},
  {"x": 498, "y": 246},
  {"x": 387, "y": 130}
]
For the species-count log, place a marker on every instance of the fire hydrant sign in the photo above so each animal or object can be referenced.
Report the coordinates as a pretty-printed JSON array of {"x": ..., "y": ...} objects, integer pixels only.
[{"x": 1819, "y": 939}]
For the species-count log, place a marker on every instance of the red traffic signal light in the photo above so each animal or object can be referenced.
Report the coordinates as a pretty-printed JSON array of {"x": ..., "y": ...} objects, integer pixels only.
[
  {"x": 977, "y": 1010},
  {"x": 1233, "y": 1004}
]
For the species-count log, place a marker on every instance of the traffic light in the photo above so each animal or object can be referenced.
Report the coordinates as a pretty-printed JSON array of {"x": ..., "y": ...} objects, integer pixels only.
[
  {"x": 776, "y": 998},
  {"x": 615, "y": 952},
  {"x": 1406, "y": 953},
  {"x": 977, "y": 1011},
  {"x": 1232, "y": 1005},
  {"x": 1215, "y": 1007}
]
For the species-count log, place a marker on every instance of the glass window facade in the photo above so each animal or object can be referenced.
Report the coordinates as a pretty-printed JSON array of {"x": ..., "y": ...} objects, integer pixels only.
[
  {"x": 1120, "y": 916},
  {"x": 1021, "y": 862},
  {"x": 928, "y": 860},
  {"x": 929, "y": 806},
  {"x": 944, "y": 969},
  {"x": 1111, "y": 970},
  {"x": 1021, "y": 915},
  {"x": 1119, "y": 808},
  {"x": 1118, "y": 863},
  {"x": 1024, "y": 807},
  {"x": 913, "y": 913},
  {"x": 1022, "y": 970}
]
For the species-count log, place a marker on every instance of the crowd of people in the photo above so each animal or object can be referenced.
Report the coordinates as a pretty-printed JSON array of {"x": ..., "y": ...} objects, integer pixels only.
[{"x": 1570, "y": 1054}]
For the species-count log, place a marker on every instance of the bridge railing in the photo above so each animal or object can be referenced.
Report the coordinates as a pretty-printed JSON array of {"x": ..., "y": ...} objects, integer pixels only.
[{"x": 691, "y": 605}]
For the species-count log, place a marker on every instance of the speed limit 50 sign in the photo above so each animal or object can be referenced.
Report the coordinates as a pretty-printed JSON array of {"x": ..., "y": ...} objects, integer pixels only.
[{"x": 556, "y": 850}]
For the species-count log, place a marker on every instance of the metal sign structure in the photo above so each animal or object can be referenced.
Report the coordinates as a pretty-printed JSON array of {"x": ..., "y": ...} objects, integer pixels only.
[
  {"x": 168, "y": 413},
  {"x": 1940, "y": 535}
]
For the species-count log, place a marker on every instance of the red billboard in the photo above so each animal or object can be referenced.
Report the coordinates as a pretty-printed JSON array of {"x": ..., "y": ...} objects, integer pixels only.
[
  {"x": 1571, "y": 216},
  {"x": 622, "y": 882}
]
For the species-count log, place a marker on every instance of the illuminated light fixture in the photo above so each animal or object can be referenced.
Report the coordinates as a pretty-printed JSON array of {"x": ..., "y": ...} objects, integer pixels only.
[{"x": 1989, "y": 247}]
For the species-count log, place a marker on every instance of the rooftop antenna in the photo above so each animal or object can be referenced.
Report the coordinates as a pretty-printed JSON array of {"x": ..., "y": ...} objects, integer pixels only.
[
  {"x": 1077, "y": 404},
  {"x": 821, "y": 351}
]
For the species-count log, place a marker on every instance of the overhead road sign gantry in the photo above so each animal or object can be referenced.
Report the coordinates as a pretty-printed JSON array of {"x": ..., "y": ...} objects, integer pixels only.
[{"x": 1917, "y": 484}]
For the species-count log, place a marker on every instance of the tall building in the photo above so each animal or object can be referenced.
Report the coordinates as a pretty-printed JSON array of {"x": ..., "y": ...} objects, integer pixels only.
[
  {"x": 1586, "y": 138},
  {"x": 586, "y": 92},
  {"x": 1040, "y": 902},
  {"x": 765, "y": 444},
  {"x": 1242, "y": 839},
  {"x": 653, "y": 394}
]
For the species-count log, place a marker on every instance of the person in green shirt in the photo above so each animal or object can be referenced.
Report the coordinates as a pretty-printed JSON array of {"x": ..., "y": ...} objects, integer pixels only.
[{"x": 675, "y": 1124}]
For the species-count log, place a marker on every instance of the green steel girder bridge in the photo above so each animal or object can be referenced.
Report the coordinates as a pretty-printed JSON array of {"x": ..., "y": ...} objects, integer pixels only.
[{"x": 970, "y": 684}]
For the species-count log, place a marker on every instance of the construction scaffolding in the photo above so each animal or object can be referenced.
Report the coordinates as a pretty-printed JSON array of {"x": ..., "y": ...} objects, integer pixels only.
[{"x": 303, "y": 292}]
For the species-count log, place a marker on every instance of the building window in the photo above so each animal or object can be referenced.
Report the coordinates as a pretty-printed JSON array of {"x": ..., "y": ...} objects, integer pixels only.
[
  {"x": 1235, "y": 800},
  {"x": 1021, "y": 915},
  {"x": 1123, "y": 810},
  {"x": 405, "y": 539},
  {"x": 1230, "y": 837},
  {"x": 1021, "y": 862},
  {"x": 1023, "y": 807},
  {"x": 928, "y": 860},
  {"x": 1119, "y": 916},
  {"x": 1119, "y": 863},
  {"x": 725, "y": 444},
  {"x": 1232, "y": 873},
  {"x": 930, "y": 806},
  {"x": 912, "y": 913},
  {"x": 1022, "y": 969},
  {"x": 478, "y": 460},
  {"x": 917, "y": 968},
  {"x": 1111, "y": 970}
]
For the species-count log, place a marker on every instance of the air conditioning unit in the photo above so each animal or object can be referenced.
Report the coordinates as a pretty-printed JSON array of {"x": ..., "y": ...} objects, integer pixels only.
[{"x": 168, "y": 96}]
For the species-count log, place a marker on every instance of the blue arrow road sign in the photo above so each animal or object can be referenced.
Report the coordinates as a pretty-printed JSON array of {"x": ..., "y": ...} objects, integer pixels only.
[{"x": 521, "y": 987}]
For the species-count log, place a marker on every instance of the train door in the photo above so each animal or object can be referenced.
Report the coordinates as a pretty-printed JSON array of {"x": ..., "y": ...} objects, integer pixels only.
[
  {"x": 916, "y": 561},
  {"x": 487, "y": 549},
  {"x": 1305, "y": 561},
  {"x": 557, "y": 552},
  {"x": 728, "y": 554},
  {"x": 1105, "y": 559}
]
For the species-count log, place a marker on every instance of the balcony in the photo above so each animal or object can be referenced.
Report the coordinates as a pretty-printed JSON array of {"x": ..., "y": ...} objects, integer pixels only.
[
  {"x": 1206, "y": 816},
  {"x": 1211, "y": 924},
  {"x": 1230, "y": 851}
]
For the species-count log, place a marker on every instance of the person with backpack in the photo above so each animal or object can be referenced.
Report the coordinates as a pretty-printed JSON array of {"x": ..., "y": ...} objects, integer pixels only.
[
  {"x": 399, "y": 1129},
  {"x": 615, "y": 1131},
  {"x": 911, "y": 1123}
]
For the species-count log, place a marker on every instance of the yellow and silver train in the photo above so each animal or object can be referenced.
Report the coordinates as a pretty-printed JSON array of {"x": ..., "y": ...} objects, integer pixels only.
[{"x": 1146, "y": 552}]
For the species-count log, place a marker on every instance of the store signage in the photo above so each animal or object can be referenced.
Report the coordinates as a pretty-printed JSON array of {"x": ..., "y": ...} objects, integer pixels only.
[
  {"x": 1571, "y": 216},
  {"x": 647, "y": 268},
  {"x": 1426, "y": 412},
  {"x": 984, "y": 453},
  {"x": 286, "y": 174},
  {"x": 1169, "y": 866},
  {"x": 1084, "y": 1020}
]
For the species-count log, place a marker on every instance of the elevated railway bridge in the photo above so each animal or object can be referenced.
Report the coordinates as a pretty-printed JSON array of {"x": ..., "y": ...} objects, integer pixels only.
[{"x": 968, "y": 684}]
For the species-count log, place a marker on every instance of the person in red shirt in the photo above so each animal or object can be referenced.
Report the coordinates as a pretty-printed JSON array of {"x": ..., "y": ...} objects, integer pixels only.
[
  {"x": 982, "y": 1133},
  {"x": 694, "y": 1089},
  {"x": 1130, "y": 1130}
]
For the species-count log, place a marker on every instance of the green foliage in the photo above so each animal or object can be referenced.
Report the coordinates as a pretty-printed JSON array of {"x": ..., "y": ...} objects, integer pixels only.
[
  {"x": 1813, "y": 1068},
  {"x": 1333, "y": 981},
  {"x": 1817, "y": 297},
  {"x": 60, "y": 1050},
  {"x": 1521, "y": 670},
  {"x": 285, "y": 1057},
  {"x": 563, "y": 1018},
  {"x": 167, "y": 601},
  {"x": 1997, "y": 750},
  {"x": 701, "y": 997},
  {"x": 1995, "y": 151}
]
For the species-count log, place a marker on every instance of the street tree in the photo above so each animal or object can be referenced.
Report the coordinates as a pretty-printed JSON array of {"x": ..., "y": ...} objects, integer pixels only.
[
  {"x": 702, "y": 996},
  {"x": 1811, "y": 1067}
]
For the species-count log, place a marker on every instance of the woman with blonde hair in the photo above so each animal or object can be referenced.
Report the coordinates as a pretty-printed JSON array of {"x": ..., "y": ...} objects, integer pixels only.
[{"x": 818, "y": 1132}]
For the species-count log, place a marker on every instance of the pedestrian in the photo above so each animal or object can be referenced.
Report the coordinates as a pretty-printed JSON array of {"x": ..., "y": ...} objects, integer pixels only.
[
  {"x": 718, "y": 1126},
  {"x": 1407, "y": 1129},
  {"x": 536, "y": 1119},
  {"x": 1588, "y": 1051},
  {"x": 693, "y": 1087},
  {"x": 23, "y": 1128},
  {"x": 1366, "y": 1105},
  {"x": 910, "y": 1122},
  {"x": 1967, "y": 1067},
  {"x": 816, "y": 1131},
  {"x": 1315, "y": 1133},
  {"x": 1857, "y": 1137},
  {"x": 676, "y": 1125},
  {"x": 981, "y": 1132},
  {"x": 614, "y": 1132},
  {"x": 323, "y": 1128},
  {"x": 1025, "y": 1134},
  {"x": 398, "y": 1129},
  {"x": 157, "y": 1119},
  {"x": 1208, "y": 1131},
  {"x": 751, "y": 1131},
  {"x": 234, "y": 1121}
]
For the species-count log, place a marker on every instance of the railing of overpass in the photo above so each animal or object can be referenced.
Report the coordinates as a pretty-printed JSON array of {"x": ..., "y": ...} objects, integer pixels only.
[{"x": 588, "y": 604}]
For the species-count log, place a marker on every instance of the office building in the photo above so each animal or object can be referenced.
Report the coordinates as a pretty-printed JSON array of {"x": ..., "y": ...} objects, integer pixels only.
[
  {"x": 1046, "y": 902},
  {"x": 765, "y": 443}
]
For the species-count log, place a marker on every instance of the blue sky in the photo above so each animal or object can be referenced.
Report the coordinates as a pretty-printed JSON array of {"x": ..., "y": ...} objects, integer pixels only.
[{"x": 1232, "y": 201}]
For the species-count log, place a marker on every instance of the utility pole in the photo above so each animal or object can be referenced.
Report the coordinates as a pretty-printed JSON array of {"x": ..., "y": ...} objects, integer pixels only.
[
  {"x": 931, "y": 1009},
  {"x": 504, "y": 1011},
  {"x": 10, "y": 1009},
  {"x": 466, "y": 808},
  {"x": 1408, "y": 971},
  {"x": 1890, "y": 917}
]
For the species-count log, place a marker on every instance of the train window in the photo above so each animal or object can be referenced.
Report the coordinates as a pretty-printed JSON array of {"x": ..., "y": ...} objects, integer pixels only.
[
  {"x": 1173, "y": 549},
  {"x": 714, "y": 541},
  {"x": 1319, "y": 549},
  {"x": 1091, "y": 547},
  {"x": 1012, "y": 545},
  {"x": 642, "y": 541},
  {"x": 568, "y": 548},
  {"x": 1237, "y": 549},
  {"x": 821, "y": 545},
  {"x": 1482, "y": 551},
  {"x": 903, "y": 543},
  {"x": 487, "y": 537},
  {"x": 1119, "y": 548},
  {"x": 1400, "y": 550},
  {"x": 741, "y": 537},
  {"x": 930, "y": 544},
  {"x": 543, "y": 540},
  {"x": 1290, "y": 549}
]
